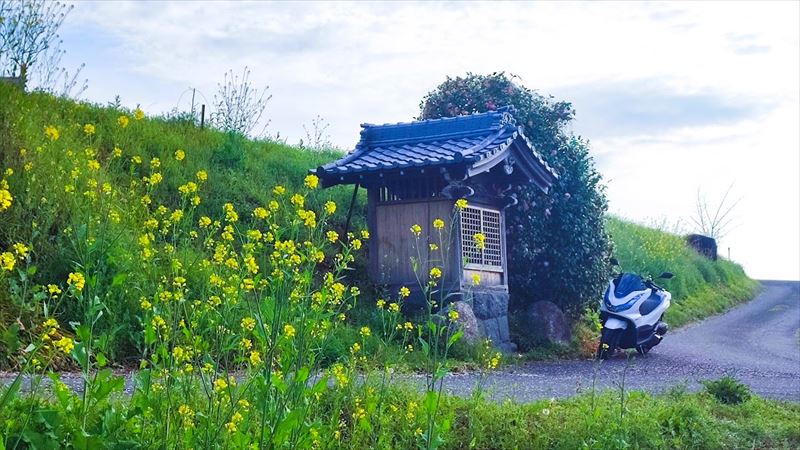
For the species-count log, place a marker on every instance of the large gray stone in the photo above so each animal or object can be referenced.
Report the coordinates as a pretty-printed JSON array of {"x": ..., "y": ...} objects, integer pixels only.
[
  {"x": 544, "y": 322},
  {"x": 502, "y": 329},
  {"x": 492, "y": 330},
  {"x": 489, "y": 304},
  {"x": 473, "y": 334}
]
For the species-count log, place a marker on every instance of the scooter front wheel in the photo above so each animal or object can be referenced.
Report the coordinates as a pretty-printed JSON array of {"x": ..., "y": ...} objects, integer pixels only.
[{"x": 609, "y": 340}]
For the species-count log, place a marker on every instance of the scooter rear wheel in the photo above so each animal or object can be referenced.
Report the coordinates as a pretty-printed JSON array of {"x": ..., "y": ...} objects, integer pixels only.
[{"x": 609, "y": 340}]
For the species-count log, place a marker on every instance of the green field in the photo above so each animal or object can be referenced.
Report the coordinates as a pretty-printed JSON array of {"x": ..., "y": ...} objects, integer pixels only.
[{"x": 192, "y": 254}]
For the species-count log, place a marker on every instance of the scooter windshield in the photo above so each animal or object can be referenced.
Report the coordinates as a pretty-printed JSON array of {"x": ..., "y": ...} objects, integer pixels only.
[{"x": 627, "y": 283}]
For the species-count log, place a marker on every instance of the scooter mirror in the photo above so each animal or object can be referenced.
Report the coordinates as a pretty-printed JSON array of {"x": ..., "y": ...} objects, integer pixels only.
[
  {"x": 614, "y": 262},
  {"x": 666, "y": 275}
]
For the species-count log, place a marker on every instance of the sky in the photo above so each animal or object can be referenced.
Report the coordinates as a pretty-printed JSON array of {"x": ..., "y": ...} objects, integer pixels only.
[{"x": 676, "y": 98}]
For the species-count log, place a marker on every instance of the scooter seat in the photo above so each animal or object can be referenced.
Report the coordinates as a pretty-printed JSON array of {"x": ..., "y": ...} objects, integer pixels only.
[{"x": 650, "y": 304}]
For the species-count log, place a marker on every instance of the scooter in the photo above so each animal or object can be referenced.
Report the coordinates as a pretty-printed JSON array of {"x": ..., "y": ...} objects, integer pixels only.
[{"x": 632, "y": 313}]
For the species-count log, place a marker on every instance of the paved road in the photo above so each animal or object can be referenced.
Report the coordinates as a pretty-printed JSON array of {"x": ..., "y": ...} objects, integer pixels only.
[{"x": 757, "y": 342}]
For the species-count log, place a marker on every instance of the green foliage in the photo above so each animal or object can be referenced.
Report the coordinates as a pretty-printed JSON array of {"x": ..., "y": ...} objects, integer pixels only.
[
  {"x": 700, "y": 288},
  {"x": 673, "y": 420},
  {"x": 52, "y": 221},
  {"x": 728, "y": 390},
  {"x": 558, "y": 247}
]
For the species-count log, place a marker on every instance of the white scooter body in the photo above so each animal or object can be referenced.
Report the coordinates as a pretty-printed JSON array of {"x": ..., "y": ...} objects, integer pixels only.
[
  {"x": 634, "y": 301},
  {"x": 631, "y": 311}
]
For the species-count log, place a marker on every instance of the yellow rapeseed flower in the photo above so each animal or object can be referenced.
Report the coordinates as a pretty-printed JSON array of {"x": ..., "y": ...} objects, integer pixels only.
[
  {"x": 438, "y": 224},
  {"x": 404, "y": 292},
  {"x": 220, "y": 385},
  {"x": 21, "y": 250},
  {"x": 452, "y": 315},
  {"x": 311, "y": 181},
  {"x": 298, "y": 200},
  {"x": 365, "y": 331},
  {"x": 93, "y": 164},
  {"x": 416, "y": 229},
  {"x": 332, "y": 236},
  {"x": 480, "y": 241},
  {"x": 201, "y": 175},
  {"x": 5, "y": 199},
  {"x": 356, "y": 244},
  {"x": 260, "y": 213},
  {"x": 53, "y": 290},
  {"x": 76, "y": 280},
  {"x": 155, "y": 179},
  {"x": 436, "y": 273},
  {"x": 123, "y": 121},
  {"x": 476, "y": 279},
  {"x": 138, "y": 114},
  {"x": 65, "y": 344},
  {"x": 7, "y": 261},
  {"x": 248, "y": 323},
  {"x": 51, "y": 133},
  {"x": 255, "y": 358},
  {"x": 461, "y": 203},
  {"x": 89, "y": 129},
  {"x": 180, "y": 155},
  {"x": 330, "y": 207},
  {"x": 288, "y": 330},
  {"x": 279, "y": 190}
]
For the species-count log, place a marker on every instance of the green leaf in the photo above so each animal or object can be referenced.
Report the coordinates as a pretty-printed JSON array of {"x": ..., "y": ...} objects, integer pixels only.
[
  {"x": 320, "y": 385},
  {"x": 286, "y": 426},
  {"x": 426, "y": 349},
  {"x": 302, "y": 375},
  {"x": 455, "y": 337},
  {"x": 119, "y": 279},
  {"x": 101, "y": 360},
  {"x": 10, "y": 338},
  {"x": 149, "y": 335}
]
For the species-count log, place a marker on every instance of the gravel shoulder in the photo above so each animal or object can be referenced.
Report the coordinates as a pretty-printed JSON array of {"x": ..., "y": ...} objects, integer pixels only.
[{"x": 757, "y": 342}]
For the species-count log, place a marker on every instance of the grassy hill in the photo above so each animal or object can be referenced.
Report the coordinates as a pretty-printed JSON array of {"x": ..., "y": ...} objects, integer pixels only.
[
  {"x": 700, "y": 288},
  {"x": 193, "y": 253},
  {"x": 82, "y": 181}
]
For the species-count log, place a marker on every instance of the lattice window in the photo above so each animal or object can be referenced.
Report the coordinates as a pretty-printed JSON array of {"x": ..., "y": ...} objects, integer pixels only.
[{"x": 486, "y": 221}]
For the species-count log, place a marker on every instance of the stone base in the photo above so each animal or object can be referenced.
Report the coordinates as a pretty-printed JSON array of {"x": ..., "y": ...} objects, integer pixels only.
[{"x": 490, "y": 307}]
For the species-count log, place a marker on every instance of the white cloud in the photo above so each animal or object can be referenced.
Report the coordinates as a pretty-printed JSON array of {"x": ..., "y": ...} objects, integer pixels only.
[{"x": 717, "y": 83}]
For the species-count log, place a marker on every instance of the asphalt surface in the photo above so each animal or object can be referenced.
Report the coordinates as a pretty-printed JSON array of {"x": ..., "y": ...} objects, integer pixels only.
[{"x": 757, "y": 342}]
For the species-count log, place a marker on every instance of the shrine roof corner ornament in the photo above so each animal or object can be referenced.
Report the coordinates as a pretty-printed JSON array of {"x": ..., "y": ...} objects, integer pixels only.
[{"x": 454, "y": 147}]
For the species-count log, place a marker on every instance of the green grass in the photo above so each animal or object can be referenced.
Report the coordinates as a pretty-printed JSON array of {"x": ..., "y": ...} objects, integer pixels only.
[
  {"x": 241, "y": 171},
  {"x": 676, "y": 419}
]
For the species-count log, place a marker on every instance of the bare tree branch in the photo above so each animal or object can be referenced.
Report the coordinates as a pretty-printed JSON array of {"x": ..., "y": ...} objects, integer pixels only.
[
  {"x": 317, "y": 138},
  {"x": 239, "y": 106},
  {"x": 718, "y": 224},
  {"x": 29, "y": 28}
]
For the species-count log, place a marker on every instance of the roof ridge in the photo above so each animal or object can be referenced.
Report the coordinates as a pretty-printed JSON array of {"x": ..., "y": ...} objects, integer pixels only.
[{"x": 430, "y": 130}]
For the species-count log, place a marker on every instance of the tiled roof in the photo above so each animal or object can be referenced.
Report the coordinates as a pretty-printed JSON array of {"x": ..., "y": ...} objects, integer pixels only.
[{"x": 476, "y": 142}]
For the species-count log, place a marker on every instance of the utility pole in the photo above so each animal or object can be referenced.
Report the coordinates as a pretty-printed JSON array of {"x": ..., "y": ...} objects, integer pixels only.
[{"x": 202, "y": 115}]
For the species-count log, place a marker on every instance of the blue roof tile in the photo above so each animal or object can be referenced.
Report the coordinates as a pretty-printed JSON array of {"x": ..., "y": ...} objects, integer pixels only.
[{"x": 472, "y": 141}]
